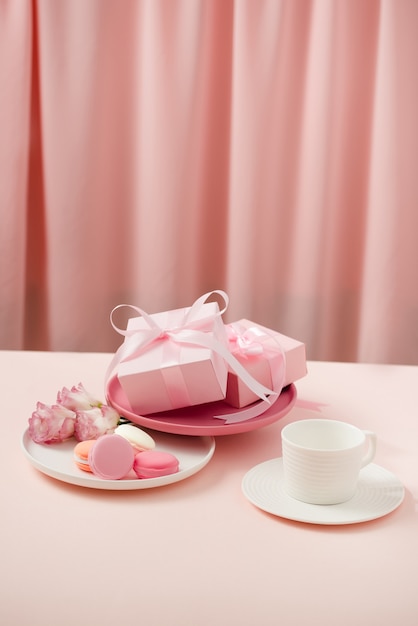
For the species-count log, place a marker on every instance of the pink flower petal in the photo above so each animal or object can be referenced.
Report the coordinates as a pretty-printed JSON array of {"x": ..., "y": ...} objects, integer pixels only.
[
  {"x": 51, "y": 424},
  {"x": 77, "y": 398},
  {"x": 93, "y": 423}
]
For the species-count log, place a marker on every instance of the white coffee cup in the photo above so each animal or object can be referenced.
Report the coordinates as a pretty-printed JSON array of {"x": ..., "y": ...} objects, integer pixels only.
[{"x": 322, "y": 459}]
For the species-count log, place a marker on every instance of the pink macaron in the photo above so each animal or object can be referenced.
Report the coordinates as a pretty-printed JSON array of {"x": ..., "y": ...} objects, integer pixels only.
[
  {"x": 155, "y": 463},
  {"x": 111, "y": 457}
]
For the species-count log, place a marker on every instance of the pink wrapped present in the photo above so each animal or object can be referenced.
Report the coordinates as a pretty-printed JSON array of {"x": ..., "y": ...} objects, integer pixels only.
[
  {"x": 171, "y": 359},
  {"x": 261, "y": 351}
]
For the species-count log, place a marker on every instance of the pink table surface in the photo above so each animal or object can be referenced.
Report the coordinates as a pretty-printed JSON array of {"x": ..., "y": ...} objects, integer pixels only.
[{"x": 197, "y": 552}]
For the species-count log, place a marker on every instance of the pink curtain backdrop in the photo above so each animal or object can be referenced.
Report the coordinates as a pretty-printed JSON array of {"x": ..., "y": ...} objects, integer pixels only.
[{"x": 153, "y": 150}]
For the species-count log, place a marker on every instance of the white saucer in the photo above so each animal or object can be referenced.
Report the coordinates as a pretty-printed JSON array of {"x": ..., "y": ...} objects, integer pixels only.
[
  {"x": 57, "y": 460},
  {"x": 378, "y": 493}
]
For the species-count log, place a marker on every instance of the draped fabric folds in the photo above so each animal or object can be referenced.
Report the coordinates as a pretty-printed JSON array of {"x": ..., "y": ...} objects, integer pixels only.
[{"x": 153, "y": 150}]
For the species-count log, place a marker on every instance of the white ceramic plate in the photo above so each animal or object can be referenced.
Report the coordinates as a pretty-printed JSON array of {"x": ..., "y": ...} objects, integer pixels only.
[
  {"x": 379, "y": 492},
  {"x": 57, "y": 460}
]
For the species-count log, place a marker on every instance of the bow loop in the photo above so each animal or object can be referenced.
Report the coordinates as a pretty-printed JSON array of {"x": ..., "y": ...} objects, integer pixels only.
[{"x": 245, "y": 341}]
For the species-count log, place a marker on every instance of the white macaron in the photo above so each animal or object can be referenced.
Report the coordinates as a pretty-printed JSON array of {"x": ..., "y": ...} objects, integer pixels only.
[{"x": 138, "y": 438}]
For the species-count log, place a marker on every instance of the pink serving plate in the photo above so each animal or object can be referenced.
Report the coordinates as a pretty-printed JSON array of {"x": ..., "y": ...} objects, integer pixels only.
[{"x": 199, "y": 420}]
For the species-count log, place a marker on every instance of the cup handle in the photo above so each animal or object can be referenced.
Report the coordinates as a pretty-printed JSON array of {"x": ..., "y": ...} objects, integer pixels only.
[{"x": 369, "y": 456}]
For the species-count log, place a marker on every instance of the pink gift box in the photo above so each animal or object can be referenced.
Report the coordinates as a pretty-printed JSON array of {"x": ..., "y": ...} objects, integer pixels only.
[
  {"x": 169, "y": 374},
  {"x": 260, "y": 365}
]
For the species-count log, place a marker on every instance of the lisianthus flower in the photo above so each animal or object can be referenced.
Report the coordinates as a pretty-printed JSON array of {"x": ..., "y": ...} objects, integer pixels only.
[
  {"x": 51, "y": 424},
  {"x": 77, "y": 398},
  {"x": 94, "y": 422}
]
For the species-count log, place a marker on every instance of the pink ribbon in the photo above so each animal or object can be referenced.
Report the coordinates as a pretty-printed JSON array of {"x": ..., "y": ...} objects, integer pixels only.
[
  {"x": 190, "y": 332},
  {"x": 251, "y": 343},
  {"x": 138, "y": 341},
  {"x": 244, "y": 340}
]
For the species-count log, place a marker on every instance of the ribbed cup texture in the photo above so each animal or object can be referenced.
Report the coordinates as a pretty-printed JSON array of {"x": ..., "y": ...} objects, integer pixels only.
[{"x": 321, "y": 477}]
